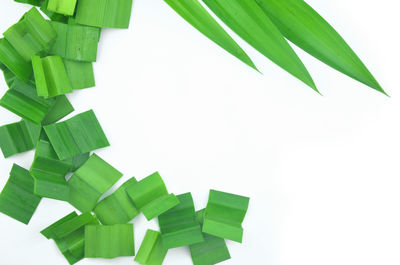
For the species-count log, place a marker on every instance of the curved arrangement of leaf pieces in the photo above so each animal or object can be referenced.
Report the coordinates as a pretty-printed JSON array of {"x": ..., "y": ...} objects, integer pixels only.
[{"x": 267, "y": 25}]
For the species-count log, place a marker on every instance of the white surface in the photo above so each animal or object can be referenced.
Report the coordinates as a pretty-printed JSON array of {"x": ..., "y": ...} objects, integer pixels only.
[{"x": 322, "y": 172}]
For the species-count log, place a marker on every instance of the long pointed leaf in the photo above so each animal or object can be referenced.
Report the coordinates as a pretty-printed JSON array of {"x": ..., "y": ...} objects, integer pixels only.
[
  {"x": 303, "y": 26},
  {"x": 195, "y": 14},
  {"x": 249, "y": 21}
]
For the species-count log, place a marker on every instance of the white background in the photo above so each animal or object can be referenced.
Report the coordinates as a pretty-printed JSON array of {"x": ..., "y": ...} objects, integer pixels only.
[{"x": 322, "y": 171}]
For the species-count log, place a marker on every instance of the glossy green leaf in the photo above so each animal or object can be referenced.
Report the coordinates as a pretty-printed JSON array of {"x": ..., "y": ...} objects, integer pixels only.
[
  {"x": 117, "y": 208},
  {"x": 30, "y": 2},
  {"x": 17, "y": 199},
  {"x": 103, "y": 241},
  {"x": 14, "y": 61},
  {"x": 195, "y": 14},
  {"x": 61, "y": 108},
  {"x": 53, "y": 16},
  {"x": 179, "y": 226},
  {"x": 90, "y": 182},
  {"x": 18, "y": 137},
  {"x": 151, "y": 197},
  {"x": 80, "y": 74},
  {"x": 212, "y": 251},
  {"x": 32, "y": 35},
  {"x": 65, "y": 7},
  {"x": 249, "y": 21},
  {"x": 224, "y": 215},
  {"x": 104, "y": 13},
  {"x": 78, "y": 135},
  {"x": 75, "y": 42},
  {"x": 152, "y": 250},
  {"x": 303, "y": 26}
]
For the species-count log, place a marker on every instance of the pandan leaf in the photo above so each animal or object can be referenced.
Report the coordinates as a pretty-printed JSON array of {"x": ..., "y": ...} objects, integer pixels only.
[
  {"x": 179, "y": 226},
  {"x": 30, "y": 2},
  {"x": 195, "y": 14},
  {"x": 249, "y": 21},
  {"x": 53, "y": 16},
  {"x": 224, "y": 215},
  {"x": 17, "y": 199},
  {"x": 9, "y": 76},
  {"x": 14, "y": 61},
  {"x": 65, "y": 7},
  {"x": 152, "y": 250},
  {"x": 61, "y": 108},
  {"x": 80, "y": 74},
  {"x": 303, "y": 26},
  {"x": 109, "y": 241}
]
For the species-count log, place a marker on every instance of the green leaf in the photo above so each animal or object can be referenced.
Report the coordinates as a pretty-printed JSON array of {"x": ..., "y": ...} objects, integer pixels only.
[
  {"x": 224, "y": 215},
  {"x": 30, "y": 2},
  {"x": 9, "y": 76},
  {"x": 18, "y": 137},
  {"x": 49, "y": 231},
  {"x": 75, "y": 42},
  {"x": 151, "y": 197},
  {"x": 32, "y": 35},
  {"x": 303, "y": 26},
  {"x": 178, "y": 226},
  {"x": 53, "y": 16},
  {"x": 109, "y": 242},
  {"x": 152, "y": 250},
  {"x": 104, "y": 13},
  {"x": 195, "y": 14},
  {"x": 117, "y": 208},
  {"x": 22, "y": 99},
  {"x": 90, "y": 182},
  {"x": 61, "y": 108},
  {"x": 80, "y": 74},
  {"x": 17, "y": 199},
  {"x": 65, "y": 7},
  {"x": 14, "y": 61},
  {"x": 212, "y": 251},
  {"x": 78, "y": 135},
  {"x": 50, "y": 76},
  {"x": 249, "y": 21}
]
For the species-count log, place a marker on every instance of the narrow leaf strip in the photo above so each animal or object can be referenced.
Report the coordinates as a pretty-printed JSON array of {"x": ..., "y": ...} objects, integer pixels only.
[
  {"x": 212, "y": 251},
  {"x": 9, "y": 76},
  {"x": 104, "y": 13},
  {"x": 14, "y": 61},
  {"x": 117, "y": 208},
  {"x": 195, "y": 14},
  {"x": 80, "y": 74},
  {"x": 78, "y": 135},
  {"x": 109, "y": 241},
  {"x": 49, "y": 231},
  {"x": 50, "y": 76},
  {"x": 32, "y": 35},
  {"x": 53, "y": 16},
  {"x": 178, "y": 226},
  {"x": 249, "y": 21},
  {"x": 76, "y": 42},
  {"x": 18, "y": 137},
  {"x": 91, "y": 181},
  {"x": 65, "y": 7},
  {"x": 22, "y": 100},
  {"x": 17, "y": 199},
  {"x": 61, "y": 108},
  {"x": 224, "y": 215},
  {"x": 30, "y": 2},
  {"x": 303, "y": 26},
  {"x": 152, "y": 250},
  {"x": 151, "y": 197}
]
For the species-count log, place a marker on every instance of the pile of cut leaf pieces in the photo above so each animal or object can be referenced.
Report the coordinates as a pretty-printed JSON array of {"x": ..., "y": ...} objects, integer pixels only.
[{"x": 43, "y": 60}]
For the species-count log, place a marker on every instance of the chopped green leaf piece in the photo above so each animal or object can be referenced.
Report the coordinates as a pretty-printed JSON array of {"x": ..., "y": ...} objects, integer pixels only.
[
  {"x": 9, "y": 76},
  {"x": 109, "y": 242},
  {"x": 78, "y": 135},
  {"x": 14, "y": 61},
  {"x": 61, "y": 108},
  {"x": 90, "y": 182},
  {"x": 151, "y": 197},
  {"x": 22, "y": 99},
  {"x": 152, "y": 250},
  {"x": 50, "y": 76},
  {"x": 224, "y": 215},
  {"x": 179, "y": 226},
  {"x": 104, "y": 13},
  {"x": 303, "y": 26},
  {"x": 76, "y": 42},
  {"x": 69, "y": 235},
  {"x": 249, "y": 21},
  {"x": 18, "y": 137},
  {"x": 30, "y": 2},
  {"x": 65, "y": 7},
  {"x": 17, "y": 199},
  {"x": 80, "y": 74},
  {"x": 53, "y": 16},
  {"x": 195, "y": 14},
  {"x": 32, "y": 35},
  {"x": 212, "y": 251},
  {"x": 117, "y": 208}
]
